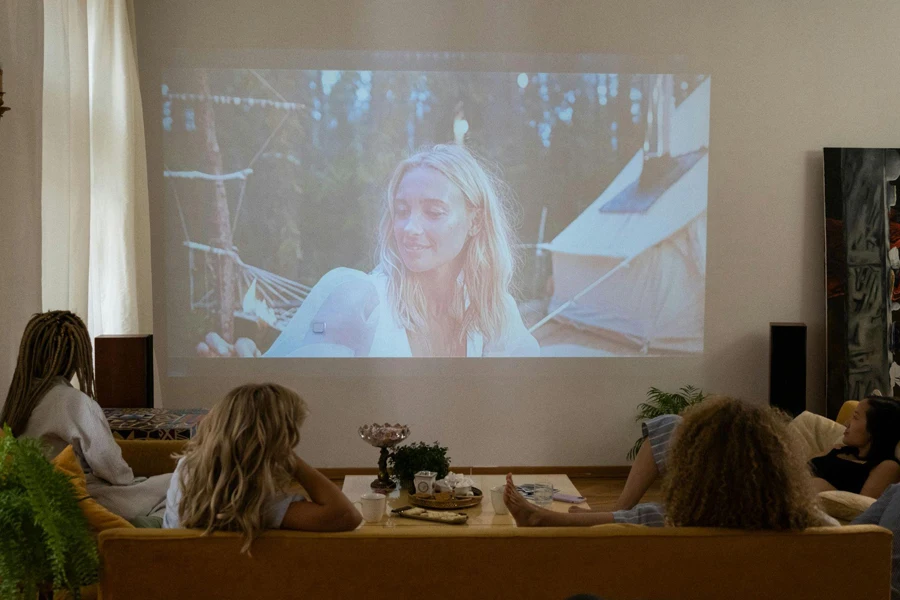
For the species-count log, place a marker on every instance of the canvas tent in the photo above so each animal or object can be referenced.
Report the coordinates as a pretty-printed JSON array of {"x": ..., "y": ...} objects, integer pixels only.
[{"x": 632, "y": 266}]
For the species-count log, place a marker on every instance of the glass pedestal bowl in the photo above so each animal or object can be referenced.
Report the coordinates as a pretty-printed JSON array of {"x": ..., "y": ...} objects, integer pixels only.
[{"x": 384, "y": 437}]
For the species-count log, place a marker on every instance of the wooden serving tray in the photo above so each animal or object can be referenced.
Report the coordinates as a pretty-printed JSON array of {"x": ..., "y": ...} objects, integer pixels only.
[
  {"x": 429, "y": 501},
  {"x": 461, "y": 519}
]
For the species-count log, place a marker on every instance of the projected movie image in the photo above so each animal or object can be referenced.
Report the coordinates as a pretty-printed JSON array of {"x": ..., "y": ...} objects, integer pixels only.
[{"x": 430, "y": 213}]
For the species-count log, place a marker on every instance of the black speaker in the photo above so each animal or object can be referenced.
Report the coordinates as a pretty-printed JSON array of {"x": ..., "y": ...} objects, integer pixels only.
[
  {"x": 787, "y": 367},
  {"x": 123, "y": 370}
]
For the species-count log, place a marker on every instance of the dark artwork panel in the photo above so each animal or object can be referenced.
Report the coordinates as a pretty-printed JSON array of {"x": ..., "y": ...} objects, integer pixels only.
[{"x": 861, "y": 268}]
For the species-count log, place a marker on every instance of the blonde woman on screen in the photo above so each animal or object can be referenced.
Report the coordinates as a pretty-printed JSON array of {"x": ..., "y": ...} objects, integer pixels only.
[{"x": 441, "y": 287}]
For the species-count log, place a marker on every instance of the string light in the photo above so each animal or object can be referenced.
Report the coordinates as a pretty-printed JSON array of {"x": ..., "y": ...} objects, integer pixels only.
[{"x": 236, "y": 101}]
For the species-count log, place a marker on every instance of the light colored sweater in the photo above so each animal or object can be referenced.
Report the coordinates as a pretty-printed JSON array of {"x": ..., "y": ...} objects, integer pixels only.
[{"x": 65, "y": 416}]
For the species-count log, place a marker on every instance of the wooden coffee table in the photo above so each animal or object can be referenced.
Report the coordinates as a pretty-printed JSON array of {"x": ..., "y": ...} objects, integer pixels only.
[{"x": 479, "y": 516}]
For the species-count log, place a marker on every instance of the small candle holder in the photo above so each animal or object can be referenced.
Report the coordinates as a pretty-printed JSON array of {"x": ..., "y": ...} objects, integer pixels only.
[{"x": 384, "y": 437}]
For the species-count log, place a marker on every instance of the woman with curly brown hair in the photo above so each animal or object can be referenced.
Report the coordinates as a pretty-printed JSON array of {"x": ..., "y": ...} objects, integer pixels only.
[{"x": 731, "y": 464}]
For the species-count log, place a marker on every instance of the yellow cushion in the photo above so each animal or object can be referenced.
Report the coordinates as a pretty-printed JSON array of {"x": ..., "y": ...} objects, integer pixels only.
[
  {"x": 97, "y": 515},
  {"x": 844, "y": 506},
  {"x": 846, "y": 411}
]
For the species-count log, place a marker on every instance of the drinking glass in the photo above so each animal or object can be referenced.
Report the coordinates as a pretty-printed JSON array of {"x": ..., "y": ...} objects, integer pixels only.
[{"x": 543, "y": 494}]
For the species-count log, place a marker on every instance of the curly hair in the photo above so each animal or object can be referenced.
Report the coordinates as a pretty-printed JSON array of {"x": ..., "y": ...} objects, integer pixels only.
[{"x": 735, "y": 465}]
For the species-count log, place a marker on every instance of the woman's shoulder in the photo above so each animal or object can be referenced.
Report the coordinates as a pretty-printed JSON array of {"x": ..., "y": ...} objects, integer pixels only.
[
  {"x": 892, "y": 464},
  {"x": 63, "y": 411},
  {"x": 340, "y": 275},
  {"x": 348, "y": 285},
  {"x": 61, "y": 392}
]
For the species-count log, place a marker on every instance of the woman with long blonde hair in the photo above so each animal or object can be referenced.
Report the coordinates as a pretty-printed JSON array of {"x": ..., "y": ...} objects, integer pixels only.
[
  {"x": 445, "y": 265},
  {"x": 730, "y": 464},
  {"x": 237, "y": 474},
  {"x": 42, "y": 403}
]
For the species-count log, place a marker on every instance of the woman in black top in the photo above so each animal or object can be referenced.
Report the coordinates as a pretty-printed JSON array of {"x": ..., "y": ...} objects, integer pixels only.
[{"x": 866, "y": 463}]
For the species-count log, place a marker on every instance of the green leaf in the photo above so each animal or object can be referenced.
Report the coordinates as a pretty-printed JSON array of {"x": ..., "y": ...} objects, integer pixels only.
[
  {"x": 44, "y": 536},
  {"x": 405, "y": 461},
  {"x": 664, "y": 403}
]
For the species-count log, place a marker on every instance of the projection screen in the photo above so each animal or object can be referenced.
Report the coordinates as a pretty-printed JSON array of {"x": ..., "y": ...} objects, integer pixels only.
[{"x": 392, "y": 204}]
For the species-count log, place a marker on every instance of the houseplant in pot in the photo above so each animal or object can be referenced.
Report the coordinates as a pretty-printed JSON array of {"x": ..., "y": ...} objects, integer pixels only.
[
  {"x": 405, "y": 461},
  {"x": 45, "y": 541},
  {"x": 664, "y": 403}
]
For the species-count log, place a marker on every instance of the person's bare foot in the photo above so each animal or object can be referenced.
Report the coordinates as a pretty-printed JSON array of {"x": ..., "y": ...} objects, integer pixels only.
[{"x": 524, "y": 512}]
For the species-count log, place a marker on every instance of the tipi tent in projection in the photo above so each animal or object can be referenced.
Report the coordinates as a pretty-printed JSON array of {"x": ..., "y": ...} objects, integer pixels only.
[{"x": 632, "y": 267}]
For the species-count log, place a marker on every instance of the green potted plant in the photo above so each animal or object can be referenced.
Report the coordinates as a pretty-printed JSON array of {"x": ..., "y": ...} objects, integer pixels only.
[
  {"x": 405, "y": 461},
  {"x": 45, "y": 541},
  {"x": 664, "y": 403}
]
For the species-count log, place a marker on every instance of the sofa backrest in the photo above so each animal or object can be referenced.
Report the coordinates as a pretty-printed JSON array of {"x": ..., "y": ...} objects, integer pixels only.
[
  {"x": 150, "y": 457},
  {"x": 616, "y": 562}
]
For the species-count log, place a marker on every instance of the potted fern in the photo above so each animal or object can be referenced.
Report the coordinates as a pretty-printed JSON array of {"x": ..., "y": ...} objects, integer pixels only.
[
  {"x": 664, "y": 403},
  {"x": 45, "y": 541}
]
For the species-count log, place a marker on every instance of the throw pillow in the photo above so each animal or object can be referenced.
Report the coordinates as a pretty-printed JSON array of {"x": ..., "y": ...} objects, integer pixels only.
[
  {"x": 844, "y": 506},
  {"x": 97, "y": 515}
]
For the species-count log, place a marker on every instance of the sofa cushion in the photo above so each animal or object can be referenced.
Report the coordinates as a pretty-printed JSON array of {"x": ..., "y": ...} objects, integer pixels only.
[
  {"x": 817, "y": 434},
  {"x": 844, "y": 506},
  {"x": 97, "y": 515}
]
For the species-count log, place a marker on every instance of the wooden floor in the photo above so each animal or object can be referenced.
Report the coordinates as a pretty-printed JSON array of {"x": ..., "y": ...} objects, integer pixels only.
[{"x": 601, "y": 493}]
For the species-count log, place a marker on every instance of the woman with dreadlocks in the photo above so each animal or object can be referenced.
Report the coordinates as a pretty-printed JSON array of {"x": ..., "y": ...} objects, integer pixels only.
[{"x": 42, "y": 403}]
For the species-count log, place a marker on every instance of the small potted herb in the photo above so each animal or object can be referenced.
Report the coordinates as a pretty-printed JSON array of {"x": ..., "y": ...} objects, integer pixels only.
[{"x": 405, "y": 461}]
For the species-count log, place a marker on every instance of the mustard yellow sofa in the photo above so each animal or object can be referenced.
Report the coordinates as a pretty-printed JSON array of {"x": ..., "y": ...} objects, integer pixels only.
[{"x": 616, "y": 562}]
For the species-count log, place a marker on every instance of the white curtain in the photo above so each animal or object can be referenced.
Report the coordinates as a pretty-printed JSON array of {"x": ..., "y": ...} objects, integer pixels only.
[
  {"x": 95, "y": 210},
  {"x": 21, "y": 58}
]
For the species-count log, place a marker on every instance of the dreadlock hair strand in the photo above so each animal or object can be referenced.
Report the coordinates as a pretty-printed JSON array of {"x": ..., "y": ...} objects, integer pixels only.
[{"x": 54, "y": 344}]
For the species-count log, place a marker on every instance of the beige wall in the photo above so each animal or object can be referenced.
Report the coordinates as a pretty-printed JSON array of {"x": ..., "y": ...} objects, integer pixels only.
[
  {"x": 21, "y": 52},
  {"x": 787, "y": 79}
]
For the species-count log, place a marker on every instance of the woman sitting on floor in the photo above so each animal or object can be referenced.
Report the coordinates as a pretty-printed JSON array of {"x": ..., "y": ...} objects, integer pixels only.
[
  {"x": 237, "y": 473},
  {"x": 865, "y": 463},
  {"x": 731, "y": 465},
  {"x": 42, "y": 403}
]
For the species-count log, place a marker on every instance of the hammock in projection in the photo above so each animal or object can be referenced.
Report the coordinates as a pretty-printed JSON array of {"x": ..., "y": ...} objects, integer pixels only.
[{"x": 265, "y": 297}]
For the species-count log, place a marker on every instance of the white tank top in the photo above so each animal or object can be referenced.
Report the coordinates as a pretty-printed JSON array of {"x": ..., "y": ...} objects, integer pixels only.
[{"x": 390, "y": 338}]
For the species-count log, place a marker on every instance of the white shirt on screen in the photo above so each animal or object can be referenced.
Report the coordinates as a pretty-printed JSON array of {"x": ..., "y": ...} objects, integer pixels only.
[{"x": 390, "y": 339}]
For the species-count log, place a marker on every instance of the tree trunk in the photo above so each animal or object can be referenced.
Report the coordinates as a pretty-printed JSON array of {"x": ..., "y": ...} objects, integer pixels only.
[{"x": 223, "y": 239}]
